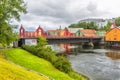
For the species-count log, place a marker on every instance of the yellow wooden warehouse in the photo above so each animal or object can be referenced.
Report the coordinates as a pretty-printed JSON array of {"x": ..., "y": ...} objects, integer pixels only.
[{"x": 113, "y": 35}]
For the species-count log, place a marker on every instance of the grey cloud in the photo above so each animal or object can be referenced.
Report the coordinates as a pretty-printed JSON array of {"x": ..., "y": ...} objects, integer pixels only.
[
  {"x": 54, "y": 8},
  {"x": 60, "y": 11},
  {"x": 92, "y": 7}
]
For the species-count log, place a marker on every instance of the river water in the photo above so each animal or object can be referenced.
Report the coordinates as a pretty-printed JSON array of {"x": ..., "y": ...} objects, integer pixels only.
[{"x": 97, "y": 63}]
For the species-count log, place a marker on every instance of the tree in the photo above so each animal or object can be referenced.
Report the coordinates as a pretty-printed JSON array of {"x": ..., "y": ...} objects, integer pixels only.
[
  {"x": 84, "y": 25},
  {"x": 73, "y": 26},
  {"x": 117, "y": 21},
  {"x": 9, "y": 9},
  {"x": 7, "y": 35},
  {"x": 91, "y": 25},
  {"x": 107, "y": 27},
  {"x": 42, "y": 42}
]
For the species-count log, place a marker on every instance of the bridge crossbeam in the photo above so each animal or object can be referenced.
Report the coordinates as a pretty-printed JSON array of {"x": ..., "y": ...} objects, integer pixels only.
[{"x": 73, "y": 40}]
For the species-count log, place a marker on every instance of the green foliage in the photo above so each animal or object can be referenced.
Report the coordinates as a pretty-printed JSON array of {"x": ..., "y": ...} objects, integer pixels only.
[
  {"x": 31, "y": 62},
  {"x": 84, "y": 25},
  {"x": 9, "y": 9},
  {"x": 74, "y": 26},
  {"x": 31, "y": 49},
  {"x": 117, "y": 21},
  {"x": 46, "y": 54},
  {"x": 77, "y": 76},
  {"x": 42, "y": 42},
  {"x": 63, "y": 64},
  {"x": 6, "y": 35},
  {"x": 60, "y": 63},
  {"x": 10, "y": 71},
  {"x": 107, "y": 27}
]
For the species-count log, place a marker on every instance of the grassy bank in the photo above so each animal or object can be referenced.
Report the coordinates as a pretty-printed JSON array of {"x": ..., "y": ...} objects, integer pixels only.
[
  {"x": 59, "y": 62},
  {"x": 31, "y": 62},
  {"x": 10, "y": 71}
]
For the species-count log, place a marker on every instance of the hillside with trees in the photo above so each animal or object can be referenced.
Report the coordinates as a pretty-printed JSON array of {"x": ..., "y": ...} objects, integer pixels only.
[
  {"x": 90, "y": 25},
  {"x": 84, "y": 25}
]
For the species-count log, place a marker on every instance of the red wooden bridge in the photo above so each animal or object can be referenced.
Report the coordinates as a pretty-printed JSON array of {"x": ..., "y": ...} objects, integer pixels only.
[{"x": 67, "y": 37}]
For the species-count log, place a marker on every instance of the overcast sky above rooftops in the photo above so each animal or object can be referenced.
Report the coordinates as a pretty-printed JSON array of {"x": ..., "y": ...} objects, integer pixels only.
[{"x": 50, "y": 14}]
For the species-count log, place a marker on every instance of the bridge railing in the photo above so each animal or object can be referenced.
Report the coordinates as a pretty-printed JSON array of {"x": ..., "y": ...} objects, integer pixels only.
[
  {"x": 69, "y": 37},
  {"x": 63, "y": 37}
]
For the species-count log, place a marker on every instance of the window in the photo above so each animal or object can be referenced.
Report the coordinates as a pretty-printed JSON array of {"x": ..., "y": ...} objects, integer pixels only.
[
  {"x": 114, "y": 38},
  {"x": 115, "y": 31},
  {"x": 115, "y": 35},
  {"x": 39, "y": 33},
  {"x": 33, "y": 35},
  {"x": 21, "y": 30}
]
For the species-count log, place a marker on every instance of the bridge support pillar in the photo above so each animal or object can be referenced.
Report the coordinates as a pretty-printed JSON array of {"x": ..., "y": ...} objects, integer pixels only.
[{"x": 91, "y": 44}]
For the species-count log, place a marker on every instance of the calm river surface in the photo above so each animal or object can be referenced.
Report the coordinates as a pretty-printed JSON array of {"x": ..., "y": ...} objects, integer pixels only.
[{"x": 96, "y": 63}]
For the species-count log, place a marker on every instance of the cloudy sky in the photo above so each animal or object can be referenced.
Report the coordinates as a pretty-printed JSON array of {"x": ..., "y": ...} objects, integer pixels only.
[{"x": 50, "y": 14}]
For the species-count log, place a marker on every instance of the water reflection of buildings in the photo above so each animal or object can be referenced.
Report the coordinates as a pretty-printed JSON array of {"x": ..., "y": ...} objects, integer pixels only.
[
  {"x": 68, "y": 47},
  {"x": 113, "y": 55}
]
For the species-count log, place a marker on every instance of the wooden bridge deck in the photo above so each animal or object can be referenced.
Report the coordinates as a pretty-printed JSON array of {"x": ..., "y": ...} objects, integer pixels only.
[{"x": 73, "y": 39}]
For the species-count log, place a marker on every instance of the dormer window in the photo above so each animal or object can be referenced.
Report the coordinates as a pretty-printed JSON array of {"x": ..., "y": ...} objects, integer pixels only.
[
  {"x": 39, "y": 32},
  {"x": 21, "y": 30}
]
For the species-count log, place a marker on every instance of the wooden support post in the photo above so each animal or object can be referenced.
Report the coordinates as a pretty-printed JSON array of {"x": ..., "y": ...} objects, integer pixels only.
[{"x": 91, "y": 44}]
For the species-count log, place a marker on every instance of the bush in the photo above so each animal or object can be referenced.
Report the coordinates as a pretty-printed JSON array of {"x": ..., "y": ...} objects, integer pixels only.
[
  {"x": 63, "y": 64},
  {"x": 59, "y": 62},
  {"x": 31, "y": 49},
  {"x": 50, "y": 56}
]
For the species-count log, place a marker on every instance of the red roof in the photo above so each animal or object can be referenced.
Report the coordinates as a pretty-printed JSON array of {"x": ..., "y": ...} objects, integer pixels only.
[
  {"x": 89, "y": 33},
  {"x": 51, "y": 30}
]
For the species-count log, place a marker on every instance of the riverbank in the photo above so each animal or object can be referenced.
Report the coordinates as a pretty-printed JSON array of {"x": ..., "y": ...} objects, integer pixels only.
[
  {"x": 31, "y": 62},
  {"x": 59, "y": 62},
  {"x": 10, "y": 71},
  {"x": 39, "y": 65}
]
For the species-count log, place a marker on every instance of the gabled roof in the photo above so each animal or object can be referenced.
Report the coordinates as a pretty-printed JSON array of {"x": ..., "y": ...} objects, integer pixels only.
[
  {"x": 115, "y": 27},
  {"x": 51, "y": 30},
  {"x": 74, "y": 30},
  {"x": 21, "y": 27},
  {"x": 39, "y": 28},
  {"x": 90, "y": 35},
  {"x": 61, "y": 30},
  {"x": 88, "y": 31}
]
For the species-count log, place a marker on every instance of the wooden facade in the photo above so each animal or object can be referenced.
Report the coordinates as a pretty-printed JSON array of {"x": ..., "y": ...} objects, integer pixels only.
[
  {"x": 86, "y": 33},
  {"x": 113, "y": 35},
  {"x": 29, "y": 37},
  {"x": 31, "y": 34},
  {"x": 57, "y": 36},
  {"x": 51, "y": 33},
  {"x": 59, "y": 33}
]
